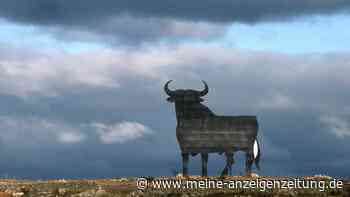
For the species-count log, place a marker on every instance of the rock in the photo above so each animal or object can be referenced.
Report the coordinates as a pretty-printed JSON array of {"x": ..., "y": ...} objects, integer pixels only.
[
  {"x": 123, "y": 180},
  {"x": 62, "y": 181},
  {"x": 136, "y": 194},
  {"x": 100, "y": 192},
  {"x": 88, "y": 193},
  {"x": 10, "y": 191},
  {"x": 320, "y": 176},
  {"x": 254, "y": 175},
  {"x": 185, "y": 195},
  {"x": 92, "y": 193},
  {"x": 17, "y": 194},
  {"x": 62, "y": 191},
  {"x": 13, "y": 193},
  {"x": 5, "y": 194},
  {"x": 179, "y": 175}
]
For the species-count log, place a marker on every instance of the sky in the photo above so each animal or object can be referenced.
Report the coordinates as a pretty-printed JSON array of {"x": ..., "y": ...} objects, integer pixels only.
[{"x": 81, "y": 84}]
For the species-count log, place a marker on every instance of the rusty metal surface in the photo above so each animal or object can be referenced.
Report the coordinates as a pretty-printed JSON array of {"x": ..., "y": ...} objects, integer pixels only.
[{"x": 217, "y": 134}]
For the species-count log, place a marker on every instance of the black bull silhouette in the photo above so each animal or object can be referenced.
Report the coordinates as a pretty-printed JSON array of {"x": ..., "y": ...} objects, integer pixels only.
[{"x": 199, "y": 130}]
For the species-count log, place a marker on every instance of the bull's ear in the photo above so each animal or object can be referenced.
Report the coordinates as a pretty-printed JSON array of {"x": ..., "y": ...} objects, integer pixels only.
[{"x": 170, "y": 99}]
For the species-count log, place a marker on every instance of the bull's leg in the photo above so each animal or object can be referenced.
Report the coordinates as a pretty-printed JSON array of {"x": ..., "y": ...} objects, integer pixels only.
[
  {"x": 185, "y": 157},
  {"x": 204, "y": 164},
  {"x": 249, "y": 162},
  {"x": 228, "y": 166},
  {"x": 224, "y": 172},
  {"x": 229, "y": 161}
]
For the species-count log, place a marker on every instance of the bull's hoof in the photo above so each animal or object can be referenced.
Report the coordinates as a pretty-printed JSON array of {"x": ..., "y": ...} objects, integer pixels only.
[{"x": 224, "y": 173}]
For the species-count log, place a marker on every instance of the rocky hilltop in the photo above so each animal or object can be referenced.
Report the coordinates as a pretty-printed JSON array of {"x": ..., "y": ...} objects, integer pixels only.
[{"x": 127, "y": 187}]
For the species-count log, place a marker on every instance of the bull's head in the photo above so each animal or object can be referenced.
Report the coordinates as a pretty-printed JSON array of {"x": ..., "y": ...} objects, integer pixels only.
[{"x": 185, "y": 96}]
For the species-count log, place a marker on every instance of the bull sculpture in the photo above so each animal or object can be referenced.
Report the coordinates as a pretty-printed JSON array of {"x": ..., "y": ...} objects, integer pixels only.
[{"x": 200, "y": 131}]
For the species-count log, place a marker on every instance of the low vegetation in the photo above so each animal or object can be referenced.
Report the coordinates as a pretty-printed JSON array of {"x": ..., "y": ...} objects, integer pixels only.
[{"x": 126, "y": 187}]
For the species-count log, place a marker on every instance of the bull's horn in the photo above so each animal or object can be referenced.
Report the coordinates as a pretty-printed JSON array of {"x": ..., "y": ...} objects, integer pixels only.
[
  {"x": 205, "y": 91},
  {"x": 167, "y": 90}
]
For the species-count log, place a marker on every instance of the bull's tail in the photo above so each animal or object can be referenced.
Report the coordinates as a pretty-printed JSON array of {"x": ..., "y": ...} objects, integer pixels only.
[{"x": 256, "y": 151}]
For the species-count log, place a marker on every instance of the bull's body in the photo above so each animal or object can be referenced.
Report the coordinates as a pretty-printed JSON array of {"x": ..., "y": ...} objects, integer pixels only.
[
  {"x": 200, "y": 131},
  {"x": 216, "y": 134}
]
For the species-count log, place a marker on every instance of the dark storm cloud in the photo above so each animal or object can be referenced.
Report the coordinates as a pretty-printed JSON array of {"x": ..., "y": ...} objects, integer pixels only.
[
  {"x": 86, "y": 11},
  {"x": 136, "y": 22}
]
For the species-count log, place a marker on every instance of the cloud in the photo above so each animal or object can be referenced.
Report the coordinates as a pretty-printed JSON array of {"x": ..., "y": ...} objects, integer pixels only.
[
  {"x": 120, "y": 132},
  {"x": 89, "y": 11},
  {"x": 70, "y": 138},
  {"x": 29, "y": 71},
  {"x": 34, "y": 131},
  {"x": 124, "y": 22},
  {"x": 296, "y": 90},
  {"x": 131, "y": 30},
  {"x": 337, "y": 125},
  {"x": 43, "y": 148},
  {"x": 278, "y": 102}
]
